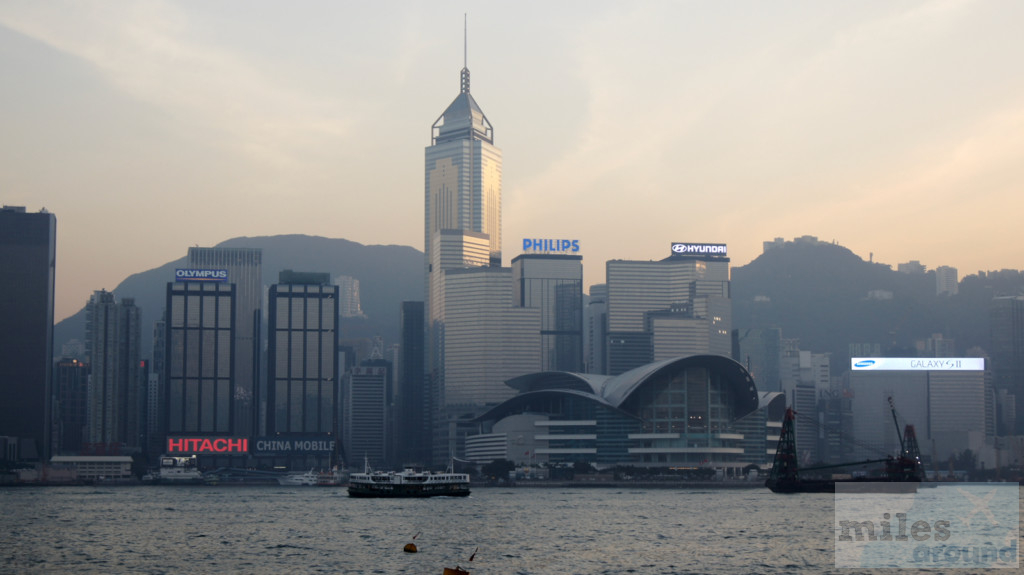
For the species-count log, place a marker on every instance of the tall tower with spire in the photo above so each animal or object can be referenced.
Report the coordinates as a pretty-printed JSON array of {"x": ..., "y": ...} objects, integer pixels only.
[{"x": 462, "y": 207}]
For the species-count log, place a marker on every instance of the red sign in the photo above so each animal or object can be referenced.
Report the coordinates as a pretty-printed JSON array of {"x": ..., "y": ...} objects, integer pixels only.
[{"x": 207, "y": 445}]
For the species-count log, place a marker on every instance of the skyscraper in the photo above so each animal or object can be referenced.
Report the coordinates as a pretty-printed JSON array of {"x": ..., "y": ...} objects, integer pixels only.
[
  {"x": 113, "y": 344},
  {"x": 680, "y": 305},
  {"x": 302, "y": 360},
  {"x": 200, "y": 360},
  {"x": 245, "y": 270},
  {"x": 553, "y": 283},
  {"x": 27, "y": 264},
  {"x": 462, "y": 202}
]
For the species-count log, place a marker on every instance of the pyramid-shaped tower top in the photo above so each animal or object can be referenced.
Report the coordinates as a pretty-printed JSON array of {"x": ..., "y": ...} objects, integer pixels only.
[{"x": 463, "y": 119}]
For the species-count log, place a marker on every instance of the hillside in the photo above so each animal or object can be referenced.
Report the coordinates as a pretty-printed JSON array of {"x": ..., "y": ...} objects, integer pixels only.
[
  {"x": 828, "y": 297},
  {"x": 387, "y": 276}
]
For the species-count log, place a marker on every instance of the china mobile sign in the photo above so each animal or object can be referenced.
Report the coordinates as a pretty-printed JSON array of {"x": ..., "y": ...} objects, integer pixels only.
[
  {"x": 918, "y": 363},
  {"x": 207, "y": 445},
  {"x": 305, "y": 445}
]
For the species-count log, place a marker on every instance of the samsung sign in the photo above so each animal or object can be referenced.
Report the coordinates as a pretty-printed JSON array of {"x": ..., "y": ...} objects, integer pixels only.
[
  {"x": 188, "y": 275},
  {"x": 701, "y": 249},
  {"x": 918, "y": 363},
  {"x": 551, "y": 246}
]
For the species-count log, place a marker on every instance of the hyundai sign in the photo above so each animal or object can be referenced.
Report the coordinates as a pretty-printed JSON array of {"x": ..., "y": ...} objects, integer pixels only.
[
  {"x": 699, "y": 249},
  {"x": 918, "y": 363},
  {"x": 551, "y": 246},
  {"x": 189, "y": 275}
]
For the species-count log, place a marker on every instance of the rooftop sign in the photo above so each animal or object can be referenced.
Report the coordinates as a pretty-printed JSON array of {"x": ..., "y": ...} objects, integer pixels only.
[
  {"x": 189, "y": 275},
  {"x": 702, "y": 249},
  {"x": 918, "y": 363},
  {"x": 551, "y": 246}
]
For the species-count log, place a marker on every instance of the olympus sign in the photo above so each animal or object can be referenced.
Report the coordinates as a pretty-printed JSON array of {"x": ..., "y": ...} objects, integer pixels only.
[
  {"x": 706, "y": 249},
  {"x": 187, "y": 275}
]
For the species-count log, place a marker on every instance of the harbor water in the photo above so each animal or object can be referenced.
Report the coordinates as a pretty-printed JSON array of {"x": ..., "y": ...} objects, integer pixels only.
[{"x": 198, "y": 529}]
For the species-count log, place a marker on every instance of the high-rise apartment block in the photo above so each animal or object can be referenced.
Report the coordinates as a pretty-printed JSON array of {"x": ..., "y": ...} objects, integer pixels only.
[
  {"x": 27, "y": 265},
  {"x": 113, "y": 341},
  {"x": 946, "y": 281},
  {"x": 365, "y": 422}
]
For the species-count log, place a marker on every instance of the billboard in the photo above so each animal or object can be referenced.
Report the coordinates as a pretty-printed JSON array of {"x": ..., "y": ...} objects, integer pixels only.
[
  {"x": 207, "y": 445},
  {"x": 701, "y": 249},
  {"x": 917, "y": 363},
  {"x": 191, "y": 275},
  {"x": 551, "y": 246},
  {"x": 297, "y": 445}
]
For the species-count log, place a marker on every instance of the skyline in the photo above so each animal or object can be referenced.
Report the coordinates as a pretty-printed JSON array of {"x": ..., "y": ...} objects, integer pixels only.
[{"x": 894, "y": 129}]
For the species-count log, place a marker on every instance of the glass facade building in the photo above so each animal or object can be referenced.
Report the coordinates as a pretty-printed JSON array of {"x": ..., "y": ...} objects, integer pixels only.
[
  {"x": 302, "y": 362},
  {"x": 553, "y": 283},
  {"x": 245, "y": 271},
  {"x": 200, "y": 360},
  {"x": 28, "y": 252},
  {"x": 689, "y": 411}
]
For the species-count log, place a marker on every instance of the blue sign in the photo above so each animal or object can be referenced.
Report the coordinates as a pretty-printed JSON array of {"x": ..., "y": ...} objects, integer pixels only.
[
  {"x": 189, "y": 275},
  {"x": 548, "y": 246}
]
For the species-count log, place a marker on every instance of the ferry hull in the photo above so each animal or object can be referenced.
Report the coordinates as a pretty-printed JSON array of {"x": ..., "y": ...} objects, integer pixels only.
[{"x": 407, "y": 490}]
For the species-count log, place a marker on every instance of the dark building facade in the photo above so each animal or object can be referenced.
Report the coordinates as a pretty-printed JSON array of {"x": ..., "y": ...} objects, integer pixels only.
[
  {"x": 303, "y": 378},
  {"x": 553, "y": 283},
  {"x": 27, "y": 266},
  {"x": 71, "y": 391},
  {"x": 413, "y": 398},
  {"x": 1007, "y": 343},
  {"x": 200, "y": 361}
]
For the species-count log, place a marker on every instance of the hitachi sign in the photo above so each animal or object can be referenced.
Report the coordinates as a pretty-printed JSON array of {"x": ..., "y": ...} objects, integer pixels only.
[
  {"x": 186, "y": 275},
  {"x": 706, "y": 249},
  {"x": 532, "y": 245},
  {"x": 207, "y": 445}
]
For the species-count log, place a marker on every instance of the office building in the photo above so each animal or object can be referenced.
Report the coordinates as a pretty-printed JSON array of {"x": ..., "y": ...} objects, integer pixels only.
[
  {"x": 200, "y": 364},
  {"x": 946, "y": 281},
  {"x": 553, "y": 284},
  {"x": 413, "y": 395},
  {"x": 681, "y": 303},
  {"x": 27, "y": 264},
  {"x": 596, "y": 331},
  {"x": 71, "y": 392},
  {"x": 462, "y": 200},
  {"x": 1006, "y": 318},
  {"x": 244, "y": 268},
  {"x": 113, "y": 341},
  {"x": 365, "y": 423}
]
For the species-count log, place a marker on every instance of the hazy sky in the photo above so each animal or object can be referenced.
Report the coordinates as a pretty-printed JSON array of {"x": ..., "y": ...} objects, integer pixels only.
[{"x": 893, "y": 128}]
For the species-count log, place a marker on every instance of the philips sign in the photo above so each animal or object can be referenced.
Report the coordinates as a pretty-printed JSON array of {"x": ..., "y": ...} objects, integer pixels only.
[
  {"x": 188, "y": 275},
  {"x": 548, "y": 246},
  {"x": 918, "y": 363},
  {"x": 702, "y": 249}
]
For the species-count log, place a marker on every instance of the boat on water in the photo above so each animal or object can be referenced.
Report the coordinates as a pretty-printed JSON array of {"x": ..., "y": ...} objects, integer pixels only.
[
  {"x": 310, "y": 477},
  {"x": 407, "y": 483},
  {"x": 178, "y": 471},
  {"x": 900, "y": 474}
]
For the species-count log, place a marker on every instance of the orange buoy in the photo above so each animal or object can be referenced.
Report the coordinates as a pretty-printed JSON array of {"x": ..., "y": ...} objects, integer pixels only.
[{"x": 410, "y": 548}]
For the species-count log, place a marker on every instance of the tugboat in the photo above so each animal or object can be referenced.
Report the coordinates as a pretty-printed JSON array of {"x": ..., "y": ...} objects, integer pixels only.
[
  {"x": 407, "y": 483},
  {"x": 901, "y": 474}
]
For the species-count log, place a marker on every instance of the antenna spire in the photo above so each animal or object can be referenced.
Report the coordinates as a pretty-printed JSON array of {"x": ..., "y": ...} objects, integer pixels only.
[{"x": 465, "y": 51}]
